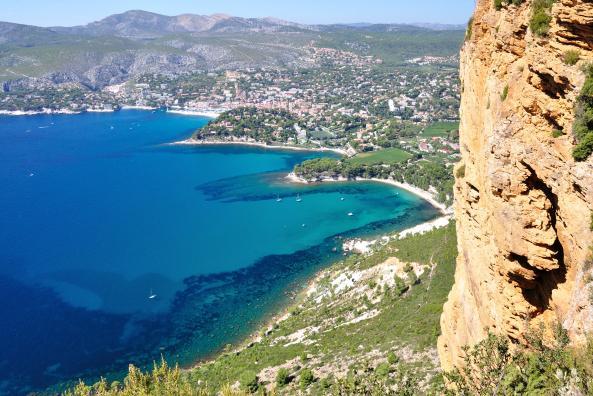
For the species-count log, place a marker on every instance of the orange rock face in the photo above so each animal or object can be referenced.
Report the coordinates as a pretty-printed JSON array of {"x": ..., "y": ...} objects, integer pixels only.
[{"x": 523, "y": 207}]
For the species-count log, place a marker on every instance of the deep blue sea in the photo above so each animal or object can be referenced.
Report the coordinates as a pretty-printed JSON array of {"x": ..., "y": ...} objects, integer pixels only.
[{"x": 98, "y": 214}]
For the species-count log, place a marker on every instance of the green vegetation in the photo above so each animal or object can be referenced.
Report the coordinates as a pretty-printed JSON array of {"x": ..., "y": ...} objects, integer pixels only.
[
  {"x": 546, "y": 368},
  {"x": 556, "y": 133},
  {"x": 505, "y": 93},
  {"x": 388, "y": 157},
  {"x": 410, "y": 319},
  {"x": 393, "y": 47},
  {"x": 162, "y": 380},
  {"x": 460, "y": 174},
  {"x": 469, "y": 30},
  {"x": 498, "y": 4},
  {"x": 540, "y": 14},
  {"x": 306, "y": 378},
  {"x": 270, "y": 126},
  {"x": 583, "y": 125},
  {"x": 249, "y": 381},
  {"x": 392, "y": 358},
  {"x": 591, "y": 226},
  {"x": 541, "y": 17},
  {"x": 442, "y": 129},
  {"x": 572, "y": 57},
  {"x": 282, "y": 377}
]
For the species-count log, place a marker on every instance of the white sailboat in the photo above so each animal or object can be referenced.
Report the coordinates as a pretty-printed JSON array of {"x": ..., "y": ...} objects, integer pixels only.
[
  {"x": 298, "y": 199},
  {"x": 278, "y": 199},
  {"x": 151, "y": 296}
]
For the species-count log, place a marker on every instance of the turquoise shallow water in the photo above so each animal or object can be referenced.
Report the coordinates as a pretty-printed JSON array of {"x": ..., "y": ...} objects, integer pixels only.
[{"x": 97, "y": 213}]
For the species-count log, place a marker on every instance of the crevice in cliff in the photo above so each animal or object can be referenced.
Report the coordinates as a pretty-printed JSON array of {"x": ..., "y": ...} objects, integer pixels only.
[
  {"x": 553, "y": 122},
  {"x": 579, "y": 190},
  {"x": 543, "y": 282},
  {"x": 580, "y": 35},
  {"x": 555, "y": 88}
]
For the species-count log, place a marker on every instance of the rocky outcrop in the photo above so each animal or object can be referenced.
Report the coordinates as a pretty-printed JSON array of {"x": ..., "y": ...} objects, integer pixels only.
[{"x": 523, "y": 206}]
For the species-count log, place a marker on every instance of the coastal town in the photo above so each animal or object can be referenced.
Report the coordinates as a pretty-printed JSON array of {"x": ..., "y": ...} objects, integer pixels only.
[{"x": 396, "y": 122}]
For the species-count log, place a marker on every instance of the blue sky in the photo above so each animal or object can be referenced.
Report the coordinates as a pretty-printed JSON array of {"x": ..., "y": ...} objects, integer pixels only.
[{"x": 75, "y": 12}]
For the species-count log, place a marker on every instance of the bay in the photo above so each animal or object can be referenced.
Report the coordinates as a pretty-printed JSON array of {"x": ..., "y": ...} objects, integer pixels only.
[{"x": 98, "y": 213}]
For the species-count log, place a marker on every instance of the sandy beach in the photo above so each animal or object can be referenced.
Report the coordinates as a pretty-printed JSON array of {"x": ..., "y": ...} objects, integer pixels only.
[
  {"x": 208, "y": 114},
  {"x": 126, "y": 107},
  {"x": 427, "y": 196},
  {"x": 100, "y": 110},
  {"x": 192, "y": 142}
]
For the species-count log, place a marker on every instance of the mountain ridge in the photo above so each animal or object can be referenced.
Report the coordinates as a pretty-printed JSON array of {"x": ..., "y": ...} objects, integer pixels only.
[
  {"x": 146, "y": 24},
  {"x": 121, "y": 46}
]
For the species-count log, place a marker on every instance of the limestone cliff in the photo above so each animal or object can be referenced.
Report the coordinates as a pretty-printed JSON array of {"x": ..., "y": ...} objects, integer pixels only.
[{"x": 523, "y": 206}]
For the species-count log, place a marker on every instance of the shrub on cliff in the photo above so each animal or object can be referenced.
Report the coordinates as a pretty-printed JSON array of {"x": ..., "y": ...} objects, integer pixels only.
[
  {"x": 162, "y": 380},
  {"x": 469, "y": 30},
  {"x": 545, "y": 368},
  {"x": 306, "y": 378},
  {"x": 583, "y": 124},
  {"x": 541, "y": 17},
  {"x": 249, "y": 381},
  {"x": 571, "y": 57},
  {"x": 498, "y": 4},
  {"x": 282, "y": 377}
]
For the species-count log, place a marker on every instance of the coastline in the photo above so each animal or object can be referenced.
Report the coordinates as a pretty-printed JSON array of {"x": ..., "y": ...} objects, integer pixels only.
[
  {"x": 427, "y": 196},
  {"x": 17, "y": 113},
  {"x": 128, "y": 107},
  {"x": 274, "y": 319},
  {"x": 193, "y": 142},
  {"x": 208, "y": 114}
]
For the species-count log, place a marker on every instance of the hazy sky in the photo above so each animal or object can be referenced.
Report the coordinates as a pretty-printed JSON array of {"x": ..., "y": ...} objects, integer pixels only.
[{"x": 76, "y": 12}]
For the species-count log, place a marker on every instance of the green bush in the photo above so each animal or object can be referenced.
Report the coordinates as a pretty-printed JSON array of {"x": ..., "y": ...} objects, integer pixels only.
[
  {"x": 249, "y": 381},
  {"x": 469, "y": 30},
  {"x": 543, "y": 368},
  {"x": 460, "y": 173},
  {"x": 540, "y": 17},
  {"x": 505, "y": 93},
  {"x": 306, "y": 378},
  {"x": 498, "y": 4},
  {"x": 162, "y": 380},
  {"x": 383, "y": 370},
  {"x": 392, "y": 358},
  {"x": 556, "y": 133},
  {"x": 583, "y": 124},
  {"x": 282, "y": 377},
  {"x": 571, "y": 57},
  {"x": 584, "y": 149}
]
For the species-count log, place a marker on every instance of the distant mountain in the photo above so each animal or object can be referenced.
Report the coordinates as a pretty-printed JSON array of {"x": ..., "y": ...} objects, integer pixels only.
[
  {"x": 392, "y": 27},
  {"x": 439, "y": 26},
  {"x": 120, "y": 47},
  {"x": 142, "y": 24}
]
